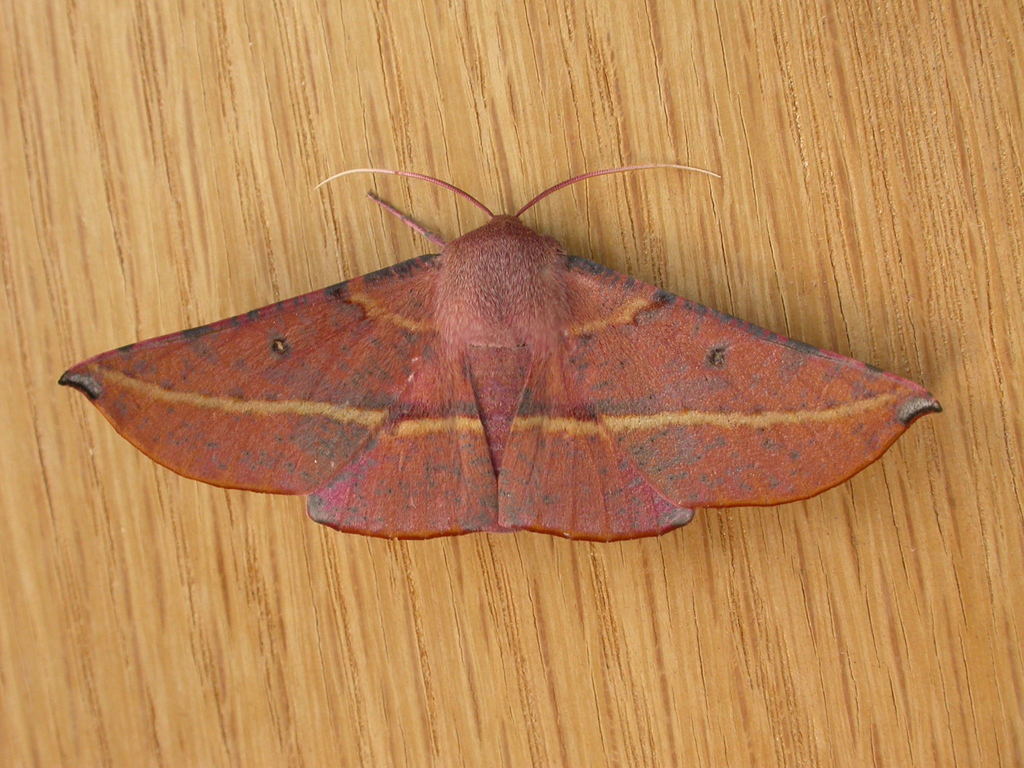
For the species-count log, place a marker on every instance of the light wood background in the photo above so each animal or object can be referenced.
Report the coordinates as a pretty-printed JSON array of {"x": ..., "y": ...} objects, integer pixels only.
[{"x": 158, "y": 160}]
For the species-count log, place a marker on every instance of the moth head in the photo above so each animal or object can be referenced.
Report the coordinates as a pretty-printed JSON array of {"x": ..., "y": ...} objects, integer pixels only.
[{"x": 503, "y": 238}]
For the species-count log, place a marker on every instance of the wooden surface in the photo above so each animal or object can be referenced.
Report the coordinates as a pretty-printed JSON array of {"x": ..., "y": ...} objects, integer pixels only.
[{"x": 158, "y": 160}]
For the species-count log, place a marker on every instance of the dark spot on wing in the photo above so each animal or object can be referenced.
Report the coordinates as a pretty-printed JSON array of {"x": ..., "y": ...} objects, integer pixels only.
[
  {"x": 586, "y": 265},
  {"x": 659, "y": 301},
  {"x": 402, "y": 269},
  {"x": 379, "y": 276},
  {"x": 698, "y": 309},
  {"x": 280, "y": 346},
  {"x": 84, "y": 383},
  {"x": 664, "y": 297},
  {"x": 195, "y": 333},
  {"x": 716, "y": 356},
  {"x": 800, "y": 346}
]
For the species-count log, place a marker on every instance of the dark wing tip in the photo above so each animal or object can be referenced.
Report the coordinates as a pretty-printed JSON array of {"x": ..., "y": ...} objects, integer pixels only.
[
  {"x": 318, "y": 512},
  {"x": 680, "y": 518},
  {"x": 916, "y": 407},
  {"x": 83, "y": 382}
]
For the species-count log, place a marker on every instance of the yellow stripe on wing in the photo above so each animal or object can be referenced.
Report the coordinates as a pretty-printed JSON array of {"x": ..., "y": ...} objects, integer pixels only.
[
  {"x": 374, "y": 310},
  {"x": 420, "y": 427},
  {"x": 625, "y": 315},
  {"x": 345, "y": 414},
  {"x": 693, "y": 418},
  {"x": 369, "y": 417}
]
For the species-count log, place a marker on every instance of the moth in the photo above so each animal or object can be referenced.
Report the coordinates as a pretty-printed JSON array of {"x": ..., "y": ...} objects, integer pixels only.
[{"x": 500, "y": 384}]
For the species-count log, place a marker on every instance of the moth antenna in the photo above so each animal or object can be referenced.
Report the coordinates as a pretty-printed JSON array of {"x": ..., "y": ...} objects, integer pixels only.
[
  {"x": 411, "y": 175},
  {"x": 414, "y": 225},
  {"x": 605, "y": 172}
]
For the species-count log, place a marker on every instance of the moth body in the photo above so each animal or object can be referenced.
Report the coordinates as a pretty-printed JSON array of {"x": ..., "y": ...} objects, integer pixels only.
[
  {"x": 501, "y": 286},
  {"x": 500, "y": 304}
]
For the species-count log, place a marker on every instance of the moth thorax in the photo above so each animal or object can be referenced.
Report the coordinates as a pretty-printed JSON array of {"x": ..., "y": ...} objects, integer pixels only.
[{"x": 500, "y": 286}]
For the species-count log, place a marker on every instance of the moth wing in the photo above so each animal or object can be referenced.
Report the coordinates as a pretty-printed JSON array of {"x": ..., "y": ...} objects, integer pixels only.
[
  {"x": 564, "y": 474},
  {"x": 717, "y": 412},
  {"x": 427, "y": 472},
  {"x": 279, "y": 399}
]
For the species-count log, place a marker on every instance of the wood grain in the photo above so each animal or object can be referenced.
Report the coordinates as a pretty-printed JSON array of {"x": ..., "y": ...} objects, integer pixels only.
[{"x": 158, "y": 160}]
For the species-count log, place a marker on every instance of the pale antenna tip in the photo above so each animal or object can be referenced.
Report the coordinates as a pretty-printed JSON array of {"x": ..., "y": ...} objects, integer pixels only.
[
  {"x": 607, "y": 171},
  {"x": 410, "y": 175},
  {"x": 350, "y": 171}
]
